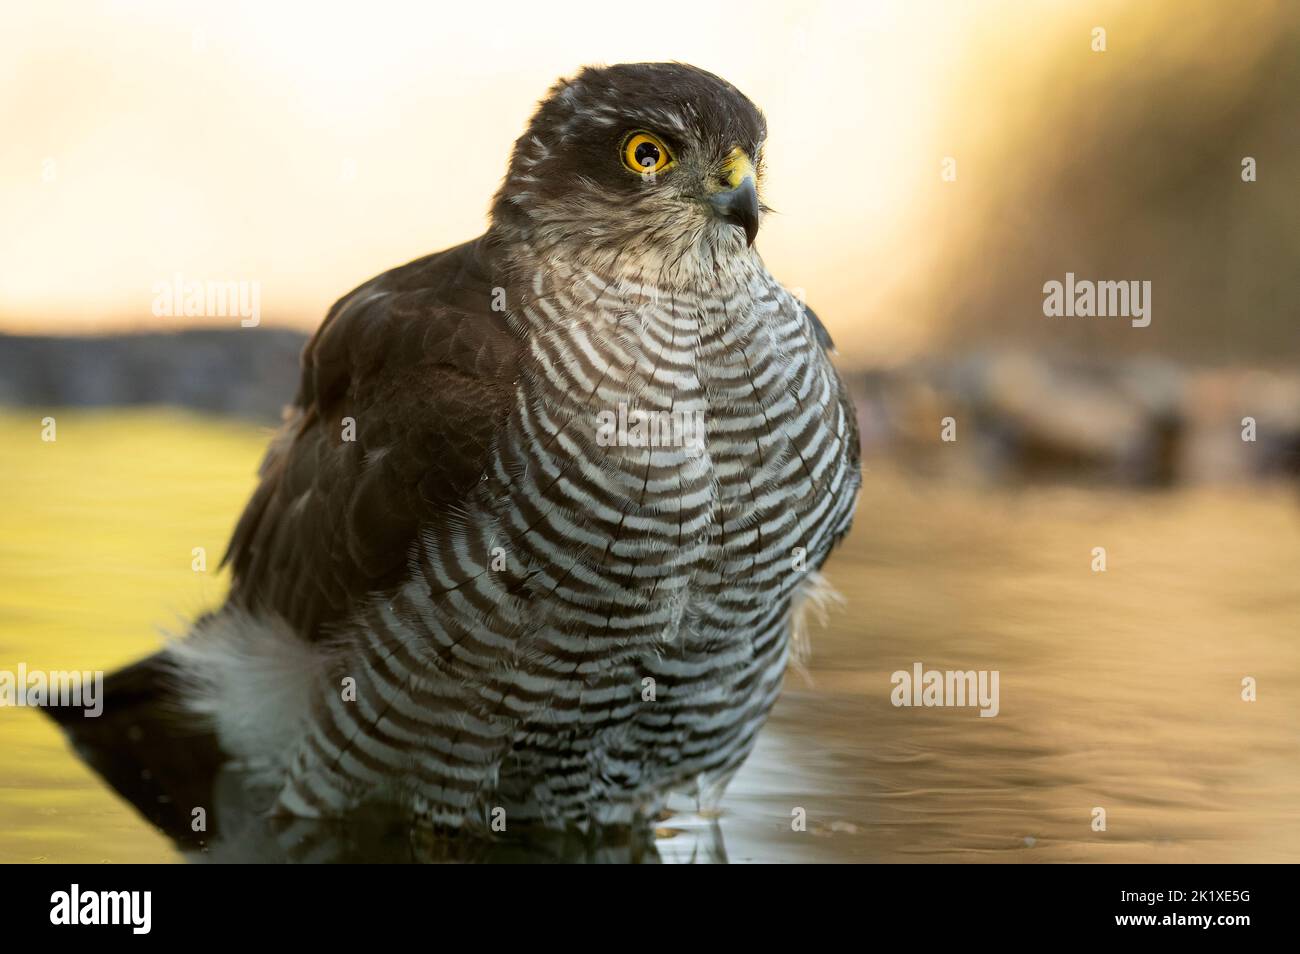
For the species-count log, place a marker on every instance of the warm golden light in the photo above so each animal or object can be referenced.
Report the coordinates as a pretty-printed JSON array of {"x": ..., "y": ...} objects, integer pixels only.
[{"x": 307, "y": 148}]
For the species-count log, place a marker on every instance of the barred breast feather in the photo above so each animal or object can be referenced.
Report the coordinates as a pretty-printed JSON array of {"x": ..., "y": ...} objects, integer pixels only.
[{"x": 488, "y": 605}]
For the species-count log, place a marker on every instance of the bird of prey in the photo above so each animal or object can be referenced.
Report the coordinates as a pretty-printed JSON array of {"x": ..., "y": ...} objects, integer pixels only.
[{"x": 458, "y": 588}]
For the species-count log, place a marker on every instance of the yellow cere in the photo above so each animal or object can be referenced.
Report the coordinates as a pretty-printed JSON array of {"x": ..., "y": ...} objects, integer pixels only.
[{"x": 736, "y": 167}]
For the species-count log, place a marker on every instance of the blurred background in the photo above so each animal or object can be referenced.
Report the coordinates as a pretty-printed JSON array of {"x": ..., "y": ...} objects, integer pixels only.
[{"x": 932, "y": 165}]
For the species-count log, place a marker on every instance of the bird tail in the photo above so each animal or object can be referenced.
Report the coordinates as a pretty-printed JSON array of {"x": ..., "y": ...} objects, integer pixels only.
[{"x": 153, "y": 753}]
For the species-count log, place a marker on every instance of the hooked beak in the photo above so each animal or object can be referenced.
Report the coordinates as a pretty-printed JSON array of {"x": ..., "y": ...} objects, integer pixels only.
[{"x": 736, "y": 202}]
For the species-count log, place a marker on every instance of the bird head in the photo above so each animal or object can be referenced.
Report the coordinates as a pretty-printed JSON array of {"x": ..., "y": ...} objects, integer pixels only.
[{"x": 646, "y": 160}]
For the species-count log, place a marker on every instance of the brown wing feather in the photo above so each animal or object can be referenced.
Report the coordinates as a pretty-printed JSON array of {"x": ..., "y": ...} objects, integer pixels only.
[{"x": 417, "y": 358}]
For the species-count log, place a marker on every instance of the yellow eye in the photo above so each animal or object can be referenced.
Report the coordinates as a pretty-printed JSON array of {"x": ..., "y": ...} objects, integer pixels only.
[{"x": 645, "y": 153}]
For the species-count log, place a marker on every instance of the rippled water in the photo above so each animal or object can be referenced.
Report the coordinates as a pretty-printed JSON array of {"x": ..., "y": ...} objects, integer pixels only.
[{"x": 1118, "y": 690}]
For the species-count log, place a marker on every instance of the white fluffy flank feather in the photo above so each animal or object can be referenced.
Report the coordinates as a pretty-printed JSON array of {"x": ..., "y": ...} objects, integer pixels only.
[
  {"x": 814, "y": 598},
  {"x": 253, "y": 678}
]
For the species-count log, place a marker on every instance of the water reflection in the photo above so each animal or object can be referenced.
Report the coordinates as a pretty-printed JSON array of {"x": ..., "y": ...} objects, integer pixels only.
[
  {"x": 176, "y": 779},
  {"x": 384, "y": 838}
]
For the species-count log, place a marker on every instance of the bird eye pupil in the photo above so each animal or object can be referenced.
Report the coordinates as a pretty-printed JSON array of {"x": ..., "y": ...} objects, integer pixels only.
[{"x": 647, "y": 155}]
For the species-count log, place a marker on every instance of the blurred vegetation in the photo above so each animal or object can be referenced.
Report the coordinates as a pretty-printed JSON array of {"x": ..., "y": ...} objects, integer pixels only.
[{"x": 1127, "y": 165}]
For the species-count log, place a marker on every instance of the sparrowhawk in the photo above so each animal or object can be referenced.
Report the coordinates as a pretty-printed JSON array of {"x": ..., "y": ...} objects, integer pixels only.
[{"x": 532, "y": 532}]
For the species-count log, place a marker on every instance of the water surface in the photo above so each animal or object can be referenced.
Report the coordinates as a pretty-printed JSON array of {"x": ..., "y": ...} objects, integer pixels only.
[{"x": 1118, "y": 690}]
